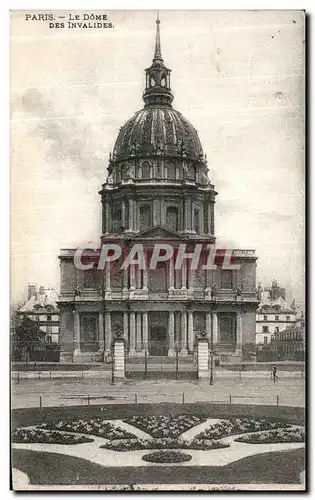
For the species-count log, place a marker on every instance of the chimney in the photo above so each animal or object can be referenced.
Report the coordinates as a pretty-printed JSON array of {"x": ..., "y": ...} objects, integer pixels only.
[{"x": 31, "y": 290}]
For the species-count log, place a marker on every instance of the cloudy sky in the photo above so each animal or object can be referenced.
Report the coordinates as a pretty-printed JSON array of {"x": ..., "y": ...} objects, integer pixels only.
[{"x": 238, "y": 76}]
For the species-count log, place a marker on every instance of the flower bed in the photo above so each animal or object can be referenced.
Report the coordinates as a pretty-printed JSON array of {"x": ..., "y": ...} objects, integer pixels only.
[
  {"x": 166, "y": 457},
  {"x": 274, "y": 436},
  {"x": 95, "y": 426},
  {"x": 239, "y": 426},
  {"x": 35, "y": 435},
  {"x": 163, "y": 443},
  {"x": 163, "y": 426}
]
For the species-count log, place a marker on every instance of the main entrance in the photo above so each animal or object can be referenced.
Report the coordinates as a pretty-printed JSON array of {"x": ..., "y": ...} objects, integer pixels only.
[{"x": 158, "y": 341}]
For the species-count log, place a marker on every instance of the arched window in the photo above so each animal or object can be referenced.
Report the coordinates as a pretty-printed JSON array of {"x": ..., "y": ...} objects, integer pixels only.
[
  {"x": 124, "y": 172},
  {"x": 145, "y": 218},
  {"x": 170, "y": 169},
  {"x": 146, "y": 170},
  {"x": 172, "y": 219},
  {"x": 116, "y": 218},
  {"x": 118, "y": 177},
  {"x": 163, "y": 81},
  {"x": 191, "y": 172},
  {"x": 197, "y": 221}
]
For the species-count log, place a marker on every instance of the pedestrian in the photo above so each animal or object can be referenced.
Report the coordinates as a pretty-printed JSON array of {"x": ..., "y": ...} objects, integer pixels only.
[{"x": 274, "y": 373}]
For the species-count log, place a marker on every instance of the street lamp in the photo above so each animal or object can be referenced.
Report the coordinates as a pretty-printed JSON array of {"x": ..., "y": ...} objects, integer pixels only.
[{"x": 211, "y": 354}]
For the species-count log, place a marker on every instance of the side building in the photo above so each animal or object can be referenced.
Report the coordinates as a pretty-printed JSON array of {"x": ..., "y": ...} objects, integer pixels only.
[
  {"x": 274, "y": 314},
  {"x": 41, "y": 307}
]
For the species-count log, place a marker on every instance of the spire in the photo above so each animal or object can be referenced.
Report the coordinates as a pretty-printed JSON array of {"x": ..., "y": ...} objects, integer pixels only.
[
  {"x": 157, "y": 52},
  {"x": 158, "y": 89}
]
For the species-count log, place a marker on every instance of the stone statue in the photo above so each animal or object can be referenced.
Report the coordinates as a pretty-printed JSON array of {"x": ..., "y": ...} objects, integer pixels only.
[
  {"x": 77, "y": 291},
  {"x": 213, "y": 292}
]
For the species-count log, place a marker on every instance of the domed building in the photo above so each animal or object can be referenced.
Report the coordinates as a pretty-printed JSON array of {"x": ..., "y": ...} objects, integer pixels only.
[{"x": 157, "y": 190}]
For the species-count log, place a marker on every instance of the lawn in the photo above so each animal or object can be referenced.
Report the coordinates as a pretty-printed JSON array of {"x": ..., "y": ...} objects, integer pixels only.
[{"x": 54, "y": 469}]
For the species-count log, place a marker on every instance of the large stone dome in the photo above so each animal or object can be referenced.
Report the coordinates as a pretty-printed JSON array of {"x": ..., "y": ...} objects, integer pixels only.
[{"x": 158, "y": 127}]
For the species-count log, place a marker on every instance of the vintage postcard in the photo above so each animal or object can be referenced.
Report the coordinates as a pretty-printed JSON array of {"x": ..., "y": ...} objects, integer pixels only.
[{"x": 157, "y": 330}]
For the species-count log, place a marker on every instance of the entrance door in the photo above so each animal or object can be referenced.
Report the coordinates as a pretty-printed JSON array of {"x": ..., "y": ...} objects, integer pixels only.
[{"x": 158, "y": 342}]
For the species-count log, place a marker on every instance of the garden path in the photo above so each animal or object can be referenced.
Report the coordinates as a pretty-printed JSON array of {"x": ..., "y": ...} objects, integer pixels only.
[
  {"x": 194, "y": 431},
  {"x": 111, "y": 458},
  {"x": 130, "y": 428}
]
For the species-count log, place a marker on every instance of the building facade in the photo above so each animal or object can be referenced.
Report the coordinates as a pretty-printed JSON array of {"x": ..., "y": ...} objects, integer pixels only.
[
  {"x": 41, "y": 307},
  {"x": 157, "y": 190},
  {"x": 274, "y": 314}
]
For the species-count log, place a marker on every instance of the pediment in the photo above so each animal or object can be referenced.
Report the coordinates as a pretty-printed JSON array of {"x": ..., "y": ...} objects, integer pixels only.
[{"x": 158, "y": 232}]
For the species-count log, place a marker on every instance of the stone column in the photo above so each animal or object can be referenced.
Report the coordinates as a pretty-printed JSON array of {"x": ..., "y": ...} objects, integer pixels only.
[
  {"x": 193, "y": 215},
  {"x": 171, "y": 334},
  {"x": 126, "y": 326},
  {"x": 209, "y": 218},
  {"x": 138, "y": 277},
  {"x": 130, "y": 228},
  {"x": 184, "y": 274},
  {"x": 190, "y": 331},
  {"x": 135, "y": 216},
  {"x": 107, "y": 217},
  {"x": 185, "y": 215},
  {"x": 155, "y": 213},
  {"x": 132, "y": 277},
  {"x": 183, "y": 351},
  {"x": 215, "y": 328},
  {"x": 145, "y": 331},
  {"x": 138, "y": 330},
  {"x": 208, "y": 325},
  {"x": 145, "y": 277},
  {"x": 123, "y": 214},
  {"x": 119, "y": 361},
  {"x": 108, "y": 332},
  {"x": 101, "y": 339},
  {"x": 132, "y": 339},
  {"x": 208, "y": 279},
  {"x": 76, "y": 337},
  {"x": 162, "y": 213},
  {"x": 189, "y": 213},
  {"x": 239, "y": 332},
  {"x": 191, "y": 273},
  {"x": 125, "y": 279},
  {"x": 171, "y": 273},
  {"x": 212, "y": 218},
  {"x": 107, "y": 276}
]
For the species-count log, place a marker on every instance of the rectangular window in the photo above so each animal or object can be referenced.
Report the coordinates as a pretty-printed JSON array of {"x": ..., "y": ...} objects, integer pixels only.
[
  {"x": 226, "y": 279},
  {"x": 265, "y": 340},
  {"x": 265, "y": 329},
  {"x": 277, "y": 318},
  {"x": 265, "y": 318},
  {"x": 90, "y": 278},
  {"x": 288, "y": 318}
]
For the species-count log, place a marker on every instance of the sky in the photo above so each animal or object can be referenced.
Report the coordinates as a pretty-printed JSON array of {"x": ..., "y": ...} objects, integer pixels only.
[{"x": 237, "y": 76}]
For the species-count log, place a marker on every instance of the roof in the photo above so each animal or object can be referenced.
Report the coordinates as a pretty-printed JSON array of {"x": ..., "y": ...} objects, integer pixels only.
[
  {"x": 270, "y": 306},
  {"x": 42, "y": 301},
  {"x": 156, "y": 126}
]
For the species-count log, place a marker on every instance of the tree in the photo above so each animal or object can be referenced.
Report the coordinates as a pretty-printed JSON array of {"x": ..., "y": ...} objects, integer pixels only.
[{"x": 27, "y": 332}]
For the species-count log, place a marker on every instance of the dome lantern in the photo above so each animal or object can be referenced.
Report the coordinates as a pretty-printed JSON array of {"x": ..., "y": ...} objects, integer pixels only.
[{"x": 158, "y": 86}]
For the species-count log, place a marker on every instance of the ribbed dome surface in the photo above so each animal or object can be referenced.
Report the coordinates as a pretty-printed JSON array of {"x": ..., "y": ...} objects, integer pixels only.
[{"x": 158, "y": 127}]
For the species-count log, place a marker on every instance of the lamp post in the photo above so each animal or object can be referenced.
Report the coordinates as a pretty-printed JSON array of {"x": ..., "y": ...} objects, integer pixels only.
[
  {"x": 102, "y": 294},
  {"x": 211, "y": 353},
  {"x": 77, "y": 293}
]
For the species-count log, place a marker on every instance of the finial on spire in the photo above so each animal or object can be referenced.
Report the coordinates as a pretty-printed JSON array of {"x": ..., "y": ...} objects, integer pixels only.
[{"x": 157, "y": 52}]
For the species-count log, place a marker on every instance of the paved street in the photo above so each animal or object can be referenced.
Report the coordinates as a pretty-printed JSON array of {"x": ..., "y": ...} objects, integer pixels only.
[{"x": 32, "y": 393}]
